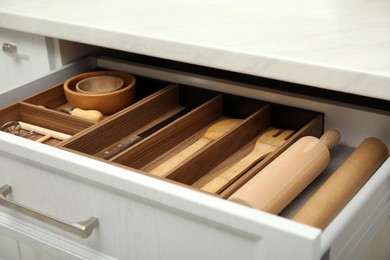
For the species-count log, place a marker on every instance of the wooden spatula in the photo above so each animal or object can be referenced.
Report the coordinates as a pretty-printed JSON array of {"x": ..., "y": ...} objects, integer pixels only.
[
  {"x": 265, "y": 144},
  {"x": 213, "y": 132}
]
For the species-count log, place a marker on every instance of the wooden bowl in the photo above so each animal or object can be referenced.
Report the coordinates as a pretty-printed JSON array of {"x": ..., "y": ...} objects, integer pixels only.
[
  {"x": 107, "y": 103},
  {"x": 99, "y": 84}
]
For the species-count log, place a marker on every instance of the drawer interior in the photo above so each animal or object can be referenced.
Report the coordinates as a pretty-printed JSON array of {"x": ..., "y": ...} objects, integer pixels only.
[
  {"x": 175, "y": 132},
  {"x": 50, "y": 110},
  {"x": 37, "y": 116}
]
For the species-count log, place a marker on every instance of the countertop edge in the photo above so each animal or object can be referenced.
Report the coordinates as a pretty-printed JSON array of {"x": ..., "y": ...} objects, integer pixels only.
[{"x": 315, "y": 75}]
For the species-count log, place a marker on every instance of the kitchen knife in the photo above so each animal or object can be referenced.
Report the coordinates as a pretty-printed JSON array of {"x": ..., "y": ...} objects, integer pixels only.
[{"x": 129, "y": 141}]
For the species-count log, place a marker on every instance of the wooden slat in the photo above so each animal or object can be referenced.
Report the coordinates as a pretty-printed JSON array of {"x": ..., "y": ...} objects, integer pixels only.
[
  {"x": 164, "y": 141},
  {"x": 127, "y": 122},
  {"x": 206, "y": 159}
]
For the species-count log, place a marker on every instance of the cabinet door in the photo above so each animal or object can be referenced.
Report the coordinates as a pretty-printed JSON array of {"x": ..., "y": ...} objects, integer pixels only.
[
  {"x": 28, "y": 252},
  {"x": 23, "y": 57},
  {"x": 9, "y": 248}
]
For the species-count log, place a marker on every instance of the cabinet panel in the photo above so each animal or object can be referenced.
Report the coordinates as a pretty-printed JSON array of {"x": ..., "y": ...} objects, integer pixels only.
[
  {"x": 29, "y": 61},
  {"x": 9, "y": 248},
  {"x": 141, "y": 217},
  {"x": 29, "y": 253}
]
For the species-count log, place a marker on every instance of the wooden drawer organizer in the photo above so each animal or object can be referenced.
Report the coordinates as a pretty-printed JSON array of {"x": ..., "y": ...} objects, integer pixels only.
[
  {"x": 47, "y": 109},
  {"x": 190, "y": 111}
]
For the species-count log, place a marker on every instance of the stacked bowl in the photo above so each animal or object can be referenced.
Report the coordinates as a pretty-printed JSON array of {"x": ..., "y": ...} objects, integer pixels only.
[{"x": 104, "y": 91}]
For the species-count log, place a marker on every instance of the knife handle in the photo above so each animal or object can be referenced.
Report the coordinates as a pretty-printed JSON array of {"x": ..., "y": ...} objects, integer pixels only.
[{"x": 118, "y": 147}]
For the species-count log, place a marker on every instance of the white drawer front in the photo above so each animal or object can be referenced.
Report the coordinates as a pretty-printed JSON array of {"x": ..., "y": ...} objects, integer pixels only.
[
  {"x": 140, "y": 217},
  {"x": 23, "y": 57}
]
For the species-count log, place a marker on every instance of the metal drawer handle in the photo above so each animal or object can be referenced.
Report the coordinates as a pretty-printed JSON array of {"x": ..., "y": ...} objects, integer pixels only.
[
  {"x": 82, "y": 229},
  {"x": 9, "y": 48},
  {"x": 12, "y": 50}
]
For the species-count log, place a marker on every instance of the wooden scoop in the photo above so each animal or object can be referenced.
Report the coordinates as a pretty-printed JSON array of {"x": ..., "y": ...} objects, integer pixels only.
[
  {"x": 265, "y": 144},
  {"x": 274, "y": 187},
  {"x": 343, "y": 184},
  {"x": 213, "y": 132}
]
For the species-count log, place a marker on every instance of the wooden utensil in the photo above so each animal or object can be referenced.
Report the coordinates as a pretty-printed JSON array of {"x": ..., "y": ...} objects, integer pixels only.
[
  {"x": 44, "y": 138},
  {"x": 265, "y": 144},
  {"x": 343, "y": 184},
  {"x": 274, "y": 187},
  {"x": 213, "y": 132},
  {"x": 91, "y": 115},
  {"x": 43, "y": 131}
]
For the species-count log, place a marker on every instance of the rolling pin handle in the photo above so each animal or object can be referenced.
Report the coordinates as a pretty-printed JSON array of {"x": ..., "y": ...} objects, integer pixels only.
[{"x": 330, "y": 138}]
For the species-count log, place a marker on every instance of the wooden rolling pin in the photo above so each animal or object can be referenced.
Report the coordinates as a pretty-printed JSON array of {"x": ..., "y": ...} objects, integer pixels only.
[
  {"x": 344, "y": 183},
  {"x": 265, "y": 144},
  {"x": 274, "y": 187}
]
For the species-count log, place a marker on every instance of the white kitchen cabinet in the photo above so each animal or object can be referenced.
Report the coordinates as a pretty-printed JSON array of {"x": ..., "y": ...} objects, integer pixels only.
[
  {"x": 141, "y": 217},
  {"x": 9, "y": 248},
  {"x": 24, "y": 57}
]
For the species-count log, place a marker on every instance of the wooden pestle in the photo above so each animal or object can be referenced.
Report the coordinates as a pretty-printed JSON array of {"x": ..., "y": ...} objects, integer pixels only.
[
  {"x": 343, "y": 184},
  {"x": 274, "y": 187}
]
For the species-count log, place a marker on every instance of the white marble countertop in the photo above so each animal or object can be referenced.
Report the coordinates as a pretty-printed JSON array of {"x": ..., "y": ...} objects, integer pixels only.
[{"x": 333, "y": 44}]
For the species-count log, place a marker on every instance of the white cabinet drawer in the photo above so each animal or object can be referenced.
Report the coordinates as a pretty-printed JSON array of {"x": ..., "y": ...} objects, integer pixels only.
[
  {"x": 23, "y": 57},
  {"x": 141, "y": 217}
]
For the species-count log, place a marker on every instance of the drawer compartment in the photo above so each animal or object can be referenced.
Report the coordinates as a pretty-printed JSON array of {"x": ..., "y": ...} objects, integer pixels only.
[
  {"x": 206, "y": 131},
  {"x": 177, "y": 132},
  {"x": 153, "y": 112},
  {"x": 41, "y": 117},
  {"x": 144, "y": 216},
  {"x": 49, "y": 109}
]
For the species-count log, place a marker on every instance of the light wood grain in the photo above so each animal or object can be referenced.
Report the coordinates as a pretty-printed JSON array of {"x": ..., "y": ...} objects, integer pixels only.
[
  {"x": 202, "y": 166},
  {"x": 44, "y": 131},
  {"x": 273, "y": 188},
  {"x": 44, "y": 138},
  {"x": 265, "y": 144},
  {"x": 213, "y": 132},
  {"x": 313, "y": 127},
  {"x": 343, "y": 184},
  {"x": 153, "y": 150}
]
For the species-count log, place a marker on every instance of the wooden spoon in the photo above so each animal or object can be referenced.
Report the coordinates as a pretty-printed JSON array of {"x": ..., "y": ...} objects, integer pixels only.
[
  {"x": 213, "y": 132},
  {"x": 265, "y": 144}
]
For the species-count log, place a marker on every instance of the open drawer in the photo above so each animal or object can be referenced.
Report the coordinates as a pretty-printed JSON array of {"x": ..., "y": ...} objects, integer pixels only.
[{"x": 144, "y": 215}]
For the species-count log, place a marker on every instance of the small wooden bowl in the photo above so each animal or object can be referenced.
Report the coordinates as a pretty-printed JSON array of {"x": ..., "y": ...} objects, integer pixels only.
[
  {"x": 99, "y": 84},
  {"x": 107, "y": 103}
]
